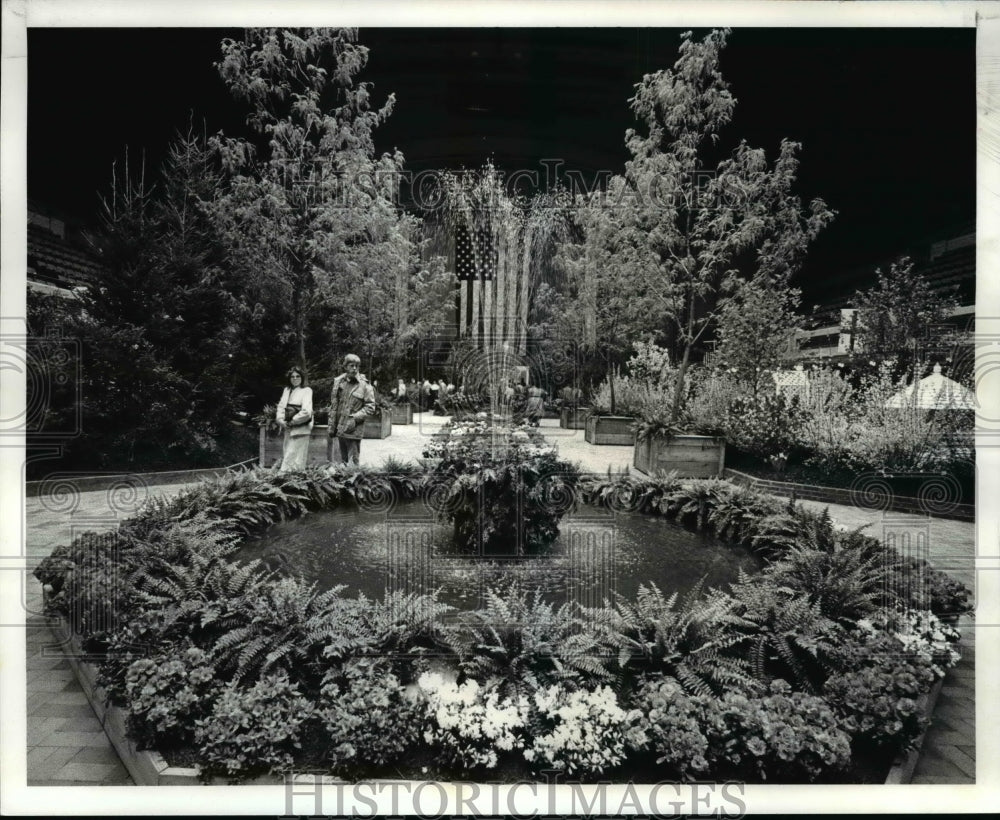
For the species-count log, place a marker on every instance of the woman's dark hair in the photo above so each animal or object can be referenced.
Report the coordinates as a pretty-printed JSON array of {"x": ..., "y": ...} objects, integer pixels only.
[{"x": 288, "y": 376}]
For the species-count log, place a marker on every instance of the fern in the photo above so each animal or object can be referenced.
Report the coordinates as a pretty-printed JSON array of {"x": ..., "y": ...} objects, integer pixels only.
[
  {"x": 846, "y": 583},
  {"x": 519, "y": 643},
  {"x": 287, "y": 625},
  {"x": 695, "y": 644},
  {"x": 788, "y": 635}
]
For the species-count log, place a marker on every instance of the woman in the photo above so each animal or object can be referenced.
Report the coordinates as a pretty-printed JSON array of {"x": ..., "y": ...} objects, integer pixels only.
[
  {"x": 536, "y": 405},
  {"x": 295, "y": 417}
]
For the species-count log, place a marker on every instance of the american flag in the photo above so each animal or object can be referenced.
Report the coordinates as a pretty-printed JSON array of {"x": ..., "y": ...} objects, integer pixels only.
[{"x": 474, "y": 262}]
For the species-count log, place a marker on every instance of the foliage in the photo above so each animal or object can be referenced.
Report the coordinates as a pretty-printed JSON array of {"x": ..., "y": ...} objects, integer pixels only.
[
  {"x": 256, "y": 665},
  {"x": 692, "y": 645},
  {"x": 765, "y": 425},
  {"x": 627, "y": 493},
  {"x": 167, "y": 695},
  {"x": 679, "y": 245},
  {"x": 711, "y": 394},
  {"x": 253, "y": 730},
  {"x": 287, "y": 625},
  {"x": 876, "y": 694},
  {"x": 754, "y": 328},
  {"x": 156, "y": 333},
  {"x": 314, "y": 212},
  {"x": 581, "y": 731},
  {"x": 845, "y": 584},
  {"x": 849, "y": 427},
  {"x": 504, "y": 489},
  {"x": 901, "y": 311},
  {"x": 519, "y": 644},
  {"x": 786, "y": 635},
  {"x": 632, "y": 396},
  {"x": 468, "y": 726},
  {"x": 674, "y": 723},
  {"x": 784, "y": 734},
  {"x": 365, "y": 717}
]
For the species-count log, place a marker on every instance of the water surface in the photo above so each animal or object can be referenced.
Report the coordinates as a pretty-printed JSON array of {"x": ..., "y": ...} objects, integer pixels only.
[{"x": 596, "y": 554}]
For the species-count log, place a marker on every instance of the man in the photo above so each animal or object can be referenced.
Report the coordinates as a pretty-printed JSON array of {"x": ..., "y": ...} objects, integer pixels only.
[{"x": 351, "y": 401}]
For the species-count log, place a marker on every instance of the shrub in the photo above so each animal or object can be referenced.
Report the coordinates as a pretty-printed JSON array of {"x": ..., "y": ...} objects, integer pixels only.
[
  {"x": 365, "y": 717},
  {"x": 876, "y": 694},
  {"x": 581, "y": 732},
  {"x": 784, "y": 734},
  {"x": 502, "y": 489},
  {"x": 166, "y": 695},
  {"x": 765, "y": 425},
  {"x": 673, "y": 721},
  {"x": 468, "y": 727},
  {"x": 252, "y": 730}
]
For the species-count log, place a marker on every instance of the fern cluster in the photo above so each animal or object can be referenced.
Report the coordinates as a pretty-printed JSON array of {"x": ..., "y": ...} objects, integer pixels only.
[{"x": 519, "y": 644}]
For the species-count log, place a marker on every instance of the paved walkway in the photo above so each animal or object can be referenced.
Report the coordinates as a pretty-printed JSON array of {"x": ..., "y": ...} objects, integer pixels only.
[{"x": 66, "y": 742}]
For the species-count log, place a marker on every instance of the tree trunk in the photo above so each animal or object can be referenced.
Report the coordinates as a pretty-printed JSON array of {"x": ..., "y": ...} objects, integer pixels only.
[{"x": 675, "y": 406}]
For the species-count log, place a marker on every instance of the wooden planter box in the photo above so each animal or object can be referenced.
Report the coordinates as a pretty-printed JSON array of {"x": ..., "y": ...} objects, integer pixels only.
[
  {"x": 377, "y": 426},
  {"x": 610, "y": 430},
  {"x": 402, "y": 414},
  {"x": 270, "y": 447},
  {"x": 689, "y": 456},
  {"x": 573, "y": 418}
]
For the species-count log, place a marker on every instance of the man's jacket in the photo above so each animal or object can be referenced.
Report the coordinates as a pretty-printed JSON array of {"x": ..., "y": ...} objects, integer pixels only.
[{"x": 350, "y": 401}]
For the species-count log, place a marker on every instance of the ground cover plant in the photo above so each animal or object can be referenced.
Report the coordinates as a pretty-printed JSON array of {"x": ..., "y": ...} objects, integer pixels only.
[{"x": 792, "y": 674}]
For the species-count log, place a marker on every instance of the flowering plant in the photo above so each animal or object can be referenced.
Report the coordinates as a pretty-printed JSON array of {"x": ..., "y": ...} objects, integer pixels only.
[
  {"x": 467, "y": 726},
  {"x": 785, "y": 733},
  {"x": 876, "y": 694},
  {"x": 502, "y": 487},
  {"x": 166, "y": 694},
  {"x": 253, "y": 730},
  {"x": 582, "y": 731},
  {"x": 919, "y": 633},
  {"x": 673, "y": 722},
  {"x": 365, "y": 715}
]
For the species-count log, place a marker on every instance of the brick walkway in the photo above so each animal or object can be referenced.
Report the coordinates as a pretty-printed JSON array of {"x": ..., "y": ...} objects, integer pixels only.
[{"x": 67, "y": 745}]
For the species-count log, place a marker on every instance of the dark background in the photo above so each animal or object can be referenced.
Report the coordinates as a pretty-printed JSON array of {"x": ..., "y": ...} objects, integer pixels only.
[{"x": 886, "y": 117}]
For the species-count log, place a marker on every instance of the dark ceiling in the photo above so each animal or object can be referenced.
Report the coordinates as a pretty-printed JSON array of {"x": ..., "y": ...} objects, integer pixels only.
[{"x": 885, "y": 116}]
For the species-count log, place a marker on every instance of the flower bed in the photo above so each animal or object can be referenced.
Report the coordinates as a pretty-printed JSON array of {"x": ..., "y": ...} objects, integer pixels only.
[{"x": 786, "y": 677}]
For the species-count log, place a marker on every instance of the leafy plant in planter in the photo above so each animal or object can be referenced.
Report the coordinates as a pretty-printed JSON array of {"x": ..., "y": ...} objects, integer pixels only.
[
  {"x": 505, "y": 490},
  {"x": 253, "y": 730},
  {"x": 167, "y": 695},
  {"x": 364, "y": 716}
]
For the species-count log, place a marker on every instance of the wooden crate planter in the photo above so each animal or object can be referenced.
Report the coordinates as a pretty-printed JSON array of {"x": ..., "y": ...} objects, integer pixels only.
[
  {"x": 270, "y": 447},
  {"x": 689, "y": 456},
  {"x": 377, "y": 426},
  {"x": 573, "y": 418},
  {"x": 402, "y": 414},
  {"x": 609, "y": 430}
]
